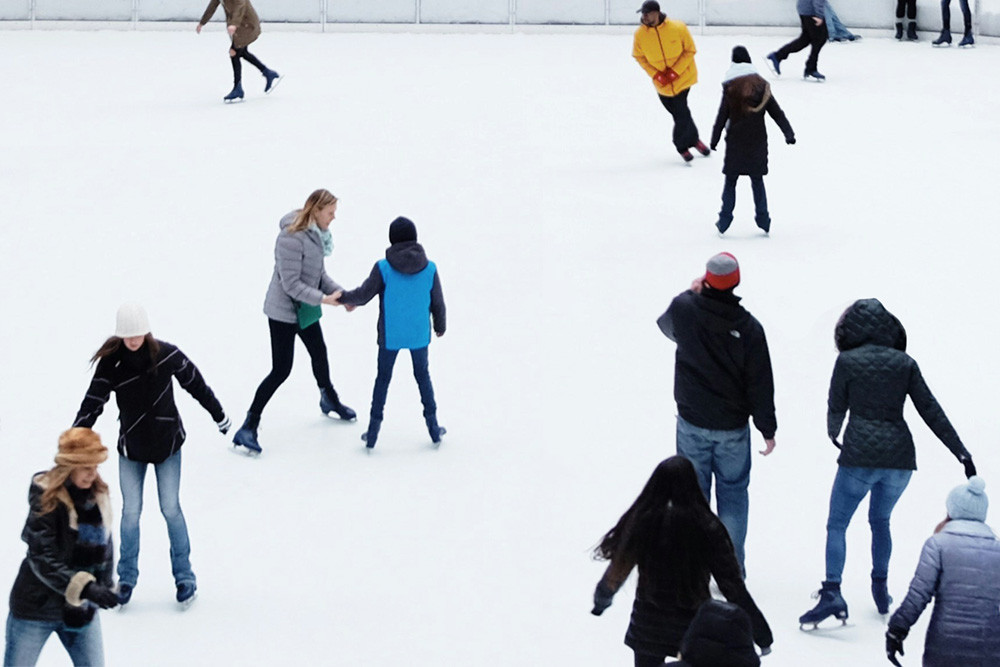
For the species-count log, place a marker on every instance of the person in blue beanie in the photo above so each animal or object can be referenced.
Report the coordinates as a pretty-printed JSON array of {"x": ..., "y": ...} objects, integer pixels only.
[{"x": 410, "y": 304}]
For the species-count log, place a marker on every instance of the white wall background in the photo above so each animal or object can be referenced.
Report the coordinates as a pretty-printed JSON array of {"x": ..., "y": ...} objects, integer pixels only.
[{"x": 855, "y": 13}]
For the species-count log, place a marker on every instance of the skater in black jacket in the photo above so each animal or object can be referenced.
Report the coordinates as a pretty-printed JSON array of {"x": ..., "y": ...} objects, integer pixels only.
[
  {"x": 140, "y": 370},
  {"x": 746, "y": 97}
]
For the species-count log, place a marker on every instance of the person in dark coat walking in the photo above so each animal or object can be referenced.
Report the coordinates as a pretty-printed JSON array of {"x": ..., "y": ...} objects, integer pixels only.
[
  {"x": 410, "y": 303},
  {"x": 814, "y": 35},
  {"x": 140, "y": 370},
  {"x": 675, "y": 540},
  {"x": 746, "y": 96},
  {"x": 960, "y": 569},
  {"x": 721, "y": 635},
  {"x": 722, "y": 378},
  {"x": 243, "y": 27},
  {"x": 871, "y": 379},
  {"x": 66, "y": 575}
]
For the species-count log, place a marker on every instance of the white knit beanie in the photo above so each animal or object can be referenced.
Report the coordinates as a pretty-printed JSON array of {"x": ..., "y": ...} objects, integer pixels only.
[
  {"x": 969, "y": 500},
  {"x": 132, "y": 321}
]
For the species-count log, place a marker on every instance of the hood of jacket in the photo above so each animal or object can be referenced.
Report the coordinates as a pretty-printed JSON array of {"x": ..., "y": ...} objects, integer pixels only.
[
  {"x": 720, "y": 635},
  {"x": 406, "y": 257},
  {"x": 867, "y": 322},
  {"x": 720, "y": 312}
]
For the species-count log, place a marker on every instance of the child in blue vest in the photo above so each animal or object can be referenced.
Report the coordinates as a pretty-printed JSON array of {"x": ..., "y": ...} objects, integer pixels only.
[{"x": 410, "y": 301}]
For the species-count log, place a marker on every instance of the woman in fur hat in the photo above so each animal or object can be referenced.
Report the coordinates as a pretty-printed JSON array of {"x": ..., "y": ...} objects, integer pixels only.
[
  {"x": 66, "y": 575},
  {"x": 140, "y": 370},
  {"x": 746, "y": 97},
  {"x": 678, "y": 544}
]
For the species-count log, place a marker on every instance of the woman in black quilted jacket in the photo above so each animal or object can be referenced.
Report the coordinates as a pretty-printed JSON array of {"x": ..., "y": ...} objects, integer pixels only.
[
  {"x": 678, "y": 543},
  {"x": 871, "y": 379}
]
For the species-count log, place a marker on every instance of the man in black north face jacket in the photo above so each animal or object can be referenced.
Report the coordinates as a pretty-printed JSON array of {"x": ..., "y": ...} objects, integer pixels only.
[{"x": 722, "y": 378}]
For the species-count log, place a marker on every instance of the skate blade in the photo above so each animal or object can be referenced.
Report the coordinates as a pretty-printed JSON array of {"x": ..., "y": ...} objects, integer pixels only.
[
  {"x": 238, "y": 100},
  {"x": 274, "y": 84},
  {"x": 245, "y": 451},
  {"x": 816, "y": 627},
  {"x": 184, "y": 606}
]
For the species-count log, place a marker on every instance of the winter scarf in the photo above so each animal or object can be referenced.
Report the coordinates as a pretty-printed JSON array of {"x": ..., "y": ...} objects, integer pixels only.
[
  {"x": 326, "y": 236},
  {"x": 736, "y": 70}
]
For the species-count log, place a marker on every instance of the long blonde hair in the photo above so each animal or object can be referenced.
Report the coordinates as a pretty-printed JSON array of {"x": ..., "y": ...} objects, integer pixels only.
[
  {"x": 318, "y": 199},
  {"x": 54, "y": 492}
]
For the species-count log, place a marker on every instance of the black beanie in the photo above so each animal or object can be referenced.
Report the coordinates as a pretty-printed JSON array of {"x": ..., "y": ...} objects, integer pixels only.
[
  {"x": 402, "y": 229},
  {"x": 740, "y": 54}
]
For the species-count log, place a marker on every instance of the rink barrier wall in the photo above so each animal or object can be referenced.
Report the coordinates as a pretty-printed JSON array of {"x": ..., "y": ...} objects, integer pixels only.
[{"x": 698, "y": 14}]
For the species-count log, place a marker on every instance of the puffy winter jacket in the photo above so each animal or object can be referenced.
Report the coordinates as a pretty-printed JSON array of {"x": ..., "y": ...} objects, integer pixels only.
[
  {"x": 871, "y": 379},
  {"x": 960, "y": 568},
  {"x": 299, "y": 274},
  {"x": 722, "y": 373},
  {"x": 746, "y": 137},
  {"x": 667, "y": 45},
  {"x": 410, "y": 297},
  {"x": 58, "y": 565},
  {"x": 150, "y": 428}
]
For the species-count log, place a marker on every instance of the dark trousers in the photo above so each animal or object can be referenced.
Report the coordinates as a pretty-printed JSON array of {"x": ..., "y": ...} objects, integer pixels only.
[
  {"x": 644, "y": 660},
  {"x": 421, "y": 373},
  {"x": 685, "y": 132},
  {"x": 906, "y": 8},
  {"x": 946, "y": 14},
  {"x": 247, "y": 56},
  {"x": 812, "y": 35},
  {"x": 729, "y": 202},
  {"x": 283, "y": 351}
]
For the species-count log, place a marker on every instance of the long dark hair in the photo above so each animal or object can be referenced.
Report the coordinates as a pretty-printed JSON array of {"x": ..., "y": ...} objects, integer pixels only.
[
  {"x": 667, "y": 524},
  {"x": 114, "y": 343},
  {"x": 742, "y": 95}
]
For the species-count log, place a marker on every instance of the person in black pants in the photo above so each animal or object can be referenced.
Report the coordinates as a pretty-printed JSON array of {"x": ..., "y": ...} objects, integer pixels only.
[
  {"x": 907, "y": 8},
  {"x": 814, "y": 34}
]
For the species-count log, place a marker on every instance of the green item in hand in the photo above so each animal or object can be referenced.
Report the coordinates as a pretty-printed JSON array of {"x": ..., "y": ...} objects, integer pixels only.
[{"x": 307, "y": 314}]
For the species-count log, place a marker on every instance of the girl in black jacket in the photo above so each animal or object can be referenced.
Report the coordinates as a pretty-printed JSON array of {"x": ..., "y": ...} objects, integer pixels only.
[
  {"x": 66, "y": 575},
  {"x": 678, "y": 543},
  {"x": 746, "y": 96},
  {"x": 140, "y": 370}
]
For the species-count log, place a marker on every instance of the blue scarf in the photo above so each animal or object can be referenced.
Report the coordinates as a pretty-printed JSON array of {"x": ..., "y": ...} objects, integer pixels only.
[{"x": 325, "y": 236}]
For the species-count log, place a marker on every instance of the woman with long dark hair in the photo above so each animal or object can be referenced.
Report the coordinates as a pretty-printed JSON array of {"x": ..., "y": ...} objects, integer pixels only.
[
  {"x": 671, "y": 534},
  {"x": 299, "y": 287},
  {"x": 140, "y": 370}
]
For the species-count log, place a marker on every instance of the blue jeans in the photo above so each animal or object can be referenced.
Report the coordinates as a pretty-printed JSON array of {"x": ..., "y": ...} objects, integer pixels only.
[
  {"x": 849, "y": 487},
  {"x": 834, "y": 26},
  {"x": 946, "y": 14},
  {"x": 421, "y": 373},
  {"x": 729, "y": 202},
  {"x": 131, "y": 475},
  {"x": 725, "y": 454},
  {"x": 26, "y": 638}
]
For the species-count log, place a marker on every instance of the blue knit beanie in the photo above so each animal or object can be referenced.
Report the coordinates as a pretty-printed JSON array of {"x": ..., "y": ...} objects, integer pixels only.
[{"x": 969, "y": 500}]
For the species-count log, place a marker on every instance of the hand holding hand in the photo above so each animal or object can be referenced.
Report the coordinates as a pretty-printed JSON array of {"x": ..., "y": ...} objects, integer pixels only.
[
  {"x": 666, "y": 76},
  {"x": 224, "y": 424},
  {"x": 768, "y": 446},
  {"x": 231, "y": 29},
  {"x": 333, "y": 299},
  {"x": 894, "y": 644},
  {"x": 100, "y": 595}
]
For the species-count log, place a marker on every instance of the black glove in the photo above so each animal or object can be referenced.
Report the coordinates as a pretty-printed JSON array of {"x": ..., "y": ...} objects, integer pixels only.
[
  {"x": 100, "y": 595},
  {"x": 836, "y": 444},
  {"x": 713, "y": 146},
  {"x": 602, "y": 598},
  {"x": 894, "y": 644},
  {"x": 970, "y": 467},
  {"x": 789, "y": 140},
  {"x": 224, "y": 424}
]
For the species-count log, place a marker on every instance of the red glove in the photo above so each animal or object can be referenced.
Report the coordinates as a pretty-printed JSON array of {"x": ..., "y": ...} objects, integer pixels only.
[{"x": 666, "y": 76}]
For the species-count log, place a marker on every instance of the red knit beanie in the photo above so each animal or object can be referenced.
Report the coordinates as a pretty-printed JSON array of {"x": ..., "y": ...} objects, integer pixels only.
[{"x": 722, "y": 272}]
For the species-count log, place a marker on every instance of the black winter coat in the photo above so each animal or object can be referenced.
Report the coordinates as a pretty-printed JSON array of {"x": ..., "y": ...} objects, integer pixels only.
[
  {"x": 720, "y": 635},
  {"x": 150, "y": 426},
  {"x": 659, "y": 618},
  {"x": 746, "y": 139},
  {"x": 57, "y": 569},
  {"x": 722, "y": 373},
  {"x": 871, "y": 379}
]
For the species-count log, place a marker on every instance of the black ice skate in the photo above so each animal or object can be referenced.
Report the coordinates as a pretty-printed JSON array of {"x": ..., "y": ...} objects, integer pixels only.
[
  {"x": 830, "y": 604},
  {"x": 813, "y": 76},
  {"x": 273, "y": 79},
  {"x": 968, "y": 40},
  {"x": 330, "y": 402},
  {"x": 235, "y": 95},
  {"x": 944, "y": 39},
  {"x": 247, "y": 435}
]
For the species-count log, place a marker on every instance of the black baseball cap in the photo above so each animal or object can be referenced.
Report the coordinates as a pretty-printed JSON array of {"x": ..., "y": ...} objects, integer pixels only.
[{"x": 648, "y": 6}]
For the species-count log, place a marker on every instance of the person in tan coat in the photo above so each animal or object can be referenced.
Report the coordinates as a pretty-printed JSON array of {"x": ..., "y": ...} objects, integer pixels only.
[
  {"x": 243, "y": 27},
  {"x": 665, "y": 50}
]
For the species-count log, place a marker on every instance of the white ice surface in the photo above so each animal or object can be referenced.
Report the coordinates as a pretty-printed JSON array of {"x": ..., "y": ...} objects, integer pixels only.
[{"x": 540, "y": 174}]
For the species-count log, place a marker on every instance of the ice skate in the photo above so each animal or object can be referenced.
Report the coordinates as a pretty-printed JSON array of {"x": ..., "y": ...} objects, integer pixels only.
[
  {"x": 186, "y": 593},
  {"x": 371, "y": 435},
  {"x": 813, "y": 76},
  {"x": 899, "y": 30},
  {"x": 124, "y": 595},
  {"x": 911, "y": 32},
  {"x": 830, "y": 604},
  {"x": 968, "y": 40},
  {"x": 235, "y": 95},
  {"x": 330, "y": 402},
  {"x": 774, "y": 63},
  {"x": 702, "y": 148},
  {"x": 246, "y": 437},
  {"x": 944, "y": 39},
  {"x": 880, "y": 593},
  {"x": 687, "y": 157},
  {"x": 273, "y": 79}
]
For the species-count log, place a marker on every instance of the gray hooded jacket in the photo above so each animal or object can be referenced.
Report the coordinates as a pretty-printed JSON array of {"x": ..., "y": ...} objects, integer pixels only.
[{"x": 299, "y": 274}]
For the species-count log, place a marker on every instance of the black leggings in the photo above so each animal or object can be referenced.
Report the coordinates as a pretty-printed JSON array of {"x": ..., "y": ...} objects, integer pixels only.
[
  {"x": 685, "y": 131},
  {"x": 813, "y": 36},
  {"x": 247, "y": 56},
  {"x": 282, "y": 352},
  {"x": 909, "y": 7}
]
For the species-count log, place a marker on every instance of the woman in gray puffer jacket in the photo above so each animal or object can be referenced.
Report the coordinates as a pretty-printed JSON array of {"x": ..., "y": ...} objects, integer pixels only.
[
  {"x": 960, "y": 568},
  {"x": 299, "y": 287},
  {"x": 872, "y": 377}
]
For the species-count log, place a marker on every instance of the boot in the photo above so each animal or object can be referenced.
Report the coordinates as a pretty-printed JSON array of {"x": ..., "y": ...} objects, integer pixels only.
[
  {"x": 371, "y": 435},
  {"x": 814, "y": 75},
  {"x": 273, "y": 79},
  {"x": 774, "y": 63},
  {"x": 911, "y": 31},
  {"x": 943, "y": 39},
  {"x": 434, "y": 429},
  {"x": 247, "y": 435},
  {"x": 330, "y": 402},
  {"x": 235, "y": 95},
  {"x": 880, "y": 593},
  {"x": 899, "y": 30},
  {"x": 968, "y": 39},
  {"x": 702, "y": 148},
  {"x": 830, "y": 604}
]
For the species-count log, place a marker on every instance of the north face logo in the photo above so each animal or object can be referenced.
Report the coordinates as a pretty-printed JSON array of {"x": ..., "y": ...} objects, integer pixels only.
[{"x": 734, "y": 333}]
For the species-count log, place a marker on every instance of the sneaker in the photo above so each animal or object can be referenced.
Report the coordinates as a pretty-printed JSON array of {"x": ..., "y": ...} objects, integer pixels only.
[
  {"x": 774, "y": 63},
  {"x": 687, "y": 156},
  {"x": 702, "y": 148},
  {"x": 124, "y": 594},
  {"x": 813, "y": 76},
  {"x": 186, "y": 592}
]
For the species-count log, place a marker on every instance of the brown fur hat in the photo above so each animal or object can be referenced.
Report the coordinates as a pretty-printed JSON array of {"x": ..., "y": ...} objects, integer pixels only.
[{"x": 80, "y": 447}]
